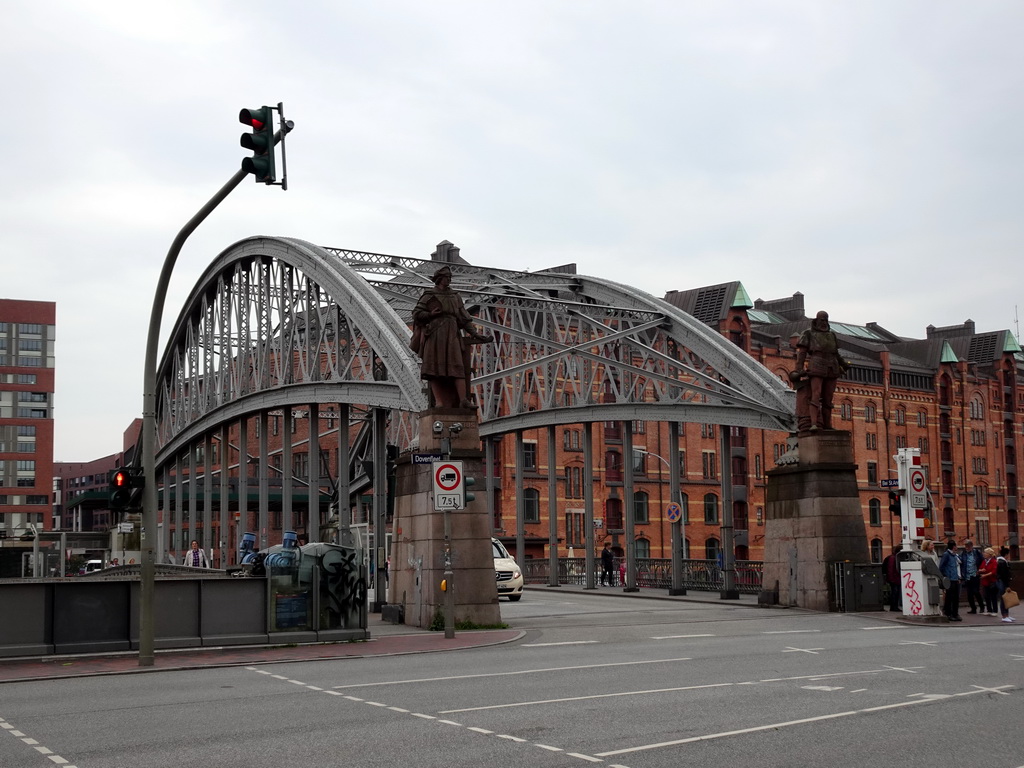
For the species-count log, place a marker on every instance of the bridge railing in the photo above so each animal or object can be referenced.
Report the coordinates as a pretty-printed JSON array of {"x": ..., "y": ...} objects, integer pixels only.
[{"x": 651, "y": 573}]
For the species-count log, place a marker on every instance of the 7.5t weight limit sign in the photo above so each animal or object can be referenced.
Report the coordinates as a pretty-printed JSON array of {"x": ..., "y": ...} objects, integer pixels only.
[
  {"x": 449, "y": 486},
  {"x": 918, "y": 494}
]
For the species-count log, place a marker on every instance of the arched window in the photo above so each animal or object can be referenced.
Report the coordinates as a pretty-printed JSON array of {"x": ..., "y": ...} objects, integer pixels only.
[
  {"x": 684, "y": 502},
  {"x": 641, "y": 513},
  {"x": 977, "y": 407},
  {"x": 613, "y": 466},
  {"x": 643, "y": 548},
  {"x": 531, "y": 505},
  {"x": 712, "y": 549},
  {"x": 870, "y": 413},
  {"x": 613, "y": 514},
  {"x": 710, "y": 509},
  {"x": 742, "y": 552},
  {"x": 876, "y": 550}
]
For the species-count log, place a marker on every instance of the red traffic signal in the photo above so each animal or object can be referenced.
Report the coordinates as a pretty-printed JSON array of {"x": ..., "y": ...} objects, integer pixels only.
[
  {"x": 260, "y": 142},
  {"x": 120, "y": 479}
]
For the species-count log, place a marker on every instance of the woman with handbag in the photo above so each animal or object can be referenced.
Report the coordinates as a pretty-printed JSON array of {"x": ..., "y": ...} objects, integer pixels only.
[
  {"x": 1003, "y": 582},
  {"x": 989, "y": 582}
]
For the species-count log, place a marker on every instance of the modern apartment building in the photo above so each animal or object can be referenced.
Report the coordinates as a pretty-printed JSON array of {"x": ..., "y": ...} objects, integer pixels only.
[{"x": 27, "y": 335}]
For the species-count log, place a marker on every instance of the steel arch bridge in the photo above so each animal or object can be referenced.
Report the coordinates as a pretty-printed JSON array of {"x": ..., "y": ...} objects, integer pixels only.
[
  {"x": 275, "y": 323},
  {"x": 279, "y": 321}
]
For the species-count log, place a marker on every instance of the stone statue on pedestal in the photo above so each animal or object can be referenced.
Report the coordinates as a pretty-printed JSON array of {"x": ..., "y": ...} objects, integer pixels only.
[
  {"x": 818, "y": 368},
  {"x": 443, "y": 335}
]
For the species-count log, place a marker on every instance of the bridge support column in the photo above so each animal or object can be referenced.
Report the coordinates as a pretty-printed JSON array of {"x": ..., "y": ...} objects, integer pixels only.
[
  {"x": 813, "y": 519},
  {"x": 418, "y": 541}
]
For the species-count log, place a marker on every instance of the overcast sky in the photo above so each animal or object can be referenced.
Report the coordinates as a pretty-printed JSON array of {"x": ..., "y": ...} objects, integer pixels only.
[{"x": 866, "y": 154}]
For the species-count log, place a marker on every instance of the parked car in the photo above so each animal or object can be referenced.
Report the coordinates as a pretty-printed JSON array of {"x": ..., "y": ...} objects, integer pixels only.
[
  {"x": 90, "y": 567},
  {"x": 508, "y": 574}
]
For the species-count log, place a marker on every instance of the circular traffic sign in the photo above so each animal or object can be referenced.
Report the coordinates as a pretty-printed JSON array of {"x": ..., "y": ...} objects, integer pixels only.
[
  {"x": 917, "y": 480},
  {"x": 673, "y": 512},
  {"x": 448, "y": 477}
]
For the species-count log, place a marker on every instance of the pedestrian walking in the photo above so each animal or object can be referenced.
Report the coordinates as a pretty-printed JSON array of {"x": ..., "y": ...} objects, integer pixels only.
[
  {"x": 950, "y": 567},
  {"x": 607, "y": 565},
  {"x": 891, "y": 569},
  {"x": 1003, "y": 582},
  {"x": 196, "y": 557},
  {"x": 970, "y": 560},
  {"x": 989, "y": 581}
]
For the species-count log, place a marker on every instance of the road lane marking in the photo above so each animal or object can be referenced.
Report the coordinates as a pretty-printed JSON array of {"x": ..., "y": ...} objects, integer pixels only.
[
  {"x": 789, "y": 723},
  {"x": 508, "y": 674},
  {"x": 790, "y": 631},
  {"x": 868, "y": 629},
  {"x": 36, "y": 746},
  {"x": 812, "y": 651},
  {"x": 567, "y": 642},
  {"x": 678, "y": 637},
  {"x": 585, "y": 698}
]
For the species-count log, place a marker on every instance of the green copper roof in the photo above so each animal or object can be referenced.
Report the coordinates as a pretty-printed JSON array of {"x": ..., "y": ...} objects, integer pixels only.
[
  {"x": 741, "y": 300},
  {"x": 948, "y": 355},
  {"x": 1010, "y": 345}
]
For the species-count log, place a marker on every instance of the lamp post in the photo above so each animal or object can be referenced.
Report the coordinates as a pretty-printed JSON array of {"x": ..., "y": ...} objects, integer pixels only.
[{"x": 678, "y": 526}]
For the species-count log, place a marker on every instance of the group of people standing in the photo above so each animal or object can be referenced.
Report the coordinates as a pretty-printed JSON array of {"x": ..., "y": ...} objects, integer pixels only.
[{"x": 984, "y": 575}]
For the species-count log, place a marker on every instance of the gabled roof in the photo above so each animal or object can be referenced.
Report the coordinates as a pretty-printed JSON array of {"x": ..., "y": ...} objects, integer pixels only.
[{"x": 711, "y": 303}]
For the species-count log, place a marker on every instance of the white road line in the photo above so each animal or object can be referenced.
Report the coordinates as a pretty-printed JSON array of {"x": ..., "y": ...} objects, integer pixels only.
[
  {"x": 869, "y": 629},
  {"x": 790, "y": 631},
  {"x": 449, "y": 722},
  {"x": 932, "y": 643},
  {"x": 567, "y": 642},
  {"x": 508, "y": 674},
  {"x": 549, "y": 748},
  {"x": 678, "y": 637},
  {"x": 812, "y": 651},
  {"x": 585, "y": 698},
  {"x": 29, "y": 741},
  {"x": 786, "y": 724},
  {"x": 858, "y": 690}
]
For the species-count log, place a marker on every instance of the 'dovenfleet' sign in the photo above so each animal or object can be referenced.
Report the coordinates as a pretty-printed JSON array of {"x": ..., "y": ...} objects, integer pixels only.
[{"x": 449, "y": 489}]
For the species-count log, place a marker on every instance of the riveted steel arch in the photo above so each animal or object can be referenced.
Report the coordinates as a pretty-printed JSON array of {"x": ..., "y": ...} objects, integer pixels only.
[
  {"x": 279, "y": 321},
  {"x": 573, "y": 349}
]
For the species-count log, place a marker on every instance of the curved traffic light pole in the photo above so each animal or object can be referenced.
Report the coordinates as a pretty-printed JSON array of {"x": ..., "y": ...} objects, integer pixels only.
[{"x": 149, "y": 523}]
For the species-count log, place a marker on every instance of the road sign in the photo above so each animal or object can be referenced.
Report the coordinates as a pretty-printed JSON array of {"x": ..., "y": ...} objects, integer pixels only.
[
  {"x": 894, "y": 483},
  {"x": 426, "y": 458},
  {"x": 673, "y": 512},
  {"x": 449, "y": 491},
  {"x": 918, "y": 494}
]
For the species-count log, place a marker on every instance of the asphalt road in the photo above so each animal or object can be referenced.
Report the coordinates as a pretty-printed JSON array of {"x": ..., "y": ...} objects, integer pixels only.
[{"x": 597, "y": 680}]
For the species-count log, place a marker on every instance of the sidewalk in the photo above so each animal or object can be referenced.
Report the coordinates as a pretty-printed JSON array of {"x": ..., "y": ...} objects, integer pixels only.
[{"x": 388, "y": 639}]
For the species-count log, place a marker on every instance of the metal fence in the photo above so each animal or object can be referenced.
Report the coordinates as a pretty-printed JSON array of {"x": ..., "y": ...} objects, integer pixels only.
[{"x": 652, "y": 573}]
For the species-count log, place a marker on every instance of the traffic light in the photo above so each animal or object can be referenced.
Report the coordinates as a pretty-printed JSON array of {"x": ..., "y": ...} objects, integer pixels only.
[
  {"x": 469, "y": 482},
  {"x": 894, "y": 503},
  {"x": 125, "y": 484},
  {"x": 120, "y": 489},
  {"x": 392, "y": 471},
  {"x": 261, "y": 142}
]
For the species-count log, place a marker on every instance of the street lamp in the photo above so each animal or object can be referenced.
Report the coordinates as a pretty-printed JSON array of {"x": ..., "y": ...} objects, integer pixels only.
[{"x": 678, "y": 525}]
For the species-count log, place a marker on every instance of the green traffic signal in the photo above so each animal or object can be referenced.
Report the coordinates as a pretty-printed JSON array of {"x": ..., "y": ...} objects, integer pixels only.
[{"x": 260, "y": 142}]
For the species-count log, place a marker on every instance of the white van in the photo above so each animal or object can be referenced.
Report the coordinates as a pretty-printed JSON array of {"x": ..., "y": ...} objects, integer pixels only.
[{"x": 91, "y": 566}]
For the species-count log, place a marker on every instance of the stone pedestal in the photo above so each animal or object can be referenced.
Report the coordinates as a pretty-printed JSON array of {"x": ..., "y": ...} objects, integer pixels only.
[
  {"x": 418, "y": 545},
  {"x": 813, "y": 519}
]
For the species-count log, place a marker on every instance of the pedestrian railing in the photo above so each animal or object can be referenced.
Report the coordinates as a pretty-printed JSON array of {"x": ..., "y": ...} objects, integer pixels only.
[{"x": 651, "y": 573}]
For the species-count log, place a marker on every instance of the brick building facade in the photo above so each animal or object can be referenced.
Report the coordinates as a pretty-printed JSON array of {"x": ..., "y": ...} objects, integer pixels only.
[{"x": 27, "y": 336}]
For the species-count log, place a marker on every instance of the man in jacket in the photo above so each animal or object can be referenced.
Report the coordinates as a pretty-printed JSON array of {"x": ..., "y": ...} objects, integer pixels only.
[
  {"x": 950, "y": 567},
  {"x": 970, "y": 559}
]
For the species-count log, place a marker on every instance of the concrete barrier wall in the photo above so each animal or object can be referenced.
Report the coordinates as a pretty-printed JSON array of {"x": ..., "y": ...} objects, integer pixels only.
[{"x": 61, "y": 616}]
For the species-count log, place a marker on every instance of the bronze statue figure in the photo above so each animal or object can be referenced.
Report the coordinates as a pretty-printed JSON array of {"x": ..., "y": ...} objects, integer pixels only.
[
  {"x": 818, "y": 367},
  {"x": 443, "y": 336}
]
